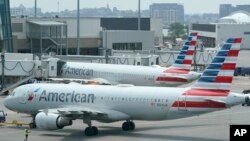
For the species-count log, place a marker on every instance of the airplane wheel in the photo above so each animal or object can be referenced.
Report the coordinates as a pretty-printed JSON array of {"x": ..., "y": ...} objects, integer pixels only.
[
  {"x": 131, "y": 125},
  {"x": 70, "y": 122},
  {"x": 126, "y": 126},
  {"x": 91, "y": 131},
  {"x": 95, "y": 130}
]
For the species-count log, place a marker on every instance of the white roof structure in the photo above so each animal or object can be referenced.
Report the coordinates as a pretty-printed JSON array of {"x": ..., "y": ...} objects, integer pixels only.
[
  {"x": 238, "y": 17},
  {"x": 47, "y": 23}
]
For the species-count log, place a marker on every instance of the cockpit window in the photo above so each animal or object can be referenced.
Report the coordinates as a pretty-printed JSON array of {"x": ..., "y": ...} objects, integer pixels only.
[{"x": 12, "y": 93}]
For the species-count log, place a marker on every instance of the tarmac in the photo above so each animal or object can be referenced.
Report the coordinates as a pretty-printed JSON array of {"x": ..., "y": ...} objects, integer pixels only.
[{"x": 208, "y": 127}]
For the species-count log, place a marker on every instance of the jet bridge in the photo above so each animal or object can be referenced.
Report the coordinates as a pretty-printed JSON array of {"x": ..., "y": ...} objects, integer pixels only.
[{"x": 17, "y": 68}]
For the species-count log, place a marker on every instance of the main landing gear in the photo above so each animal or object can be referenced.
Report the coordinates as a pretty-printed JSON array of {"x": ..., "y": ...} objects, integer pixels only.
[
  {"x": 90, "y": 130},
  {"x": 33, "y": 122},
  {"x": 128, "y": 125},
  {"x": 93, "y": 131}
]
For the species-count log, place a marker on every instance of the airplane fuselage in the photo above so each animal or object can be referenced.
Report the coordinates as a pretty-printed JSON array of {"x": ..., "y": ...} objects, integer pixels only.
[
  {"x": 138, "y": 103},
  {"x": 126, "y": 74}
]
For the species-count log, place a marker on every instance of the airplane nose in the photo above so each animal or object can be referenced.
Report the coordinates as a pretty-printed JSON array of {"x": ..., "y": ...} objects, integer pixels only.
[{"x": 7, "y": 103}]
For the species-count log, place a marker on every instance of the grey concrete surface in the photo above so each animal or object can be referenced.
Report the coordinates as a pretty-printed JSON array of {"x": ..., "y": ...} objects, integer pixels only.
[{"x": 209, "y": 127}]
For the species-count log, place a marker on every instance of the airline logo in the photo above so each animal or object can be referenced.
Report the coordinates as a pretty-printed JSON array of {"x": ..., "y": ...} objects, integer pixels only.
[
  {"x": 67, "y": 70},
  {"x": 32, "y": 95},
  {"x": 182, "y": 64},
  {"x": 219, "y": 74},
  {"x": 68, "y": 97},
  {"x": 215, "y": 80}
]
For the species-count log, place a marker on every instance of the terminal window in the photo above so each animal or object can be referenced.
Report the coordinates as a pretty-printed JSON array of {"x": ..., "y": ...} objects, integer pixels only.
[
  {"x": 247, "y": 33},
  {"x": 127, "y": 46}
]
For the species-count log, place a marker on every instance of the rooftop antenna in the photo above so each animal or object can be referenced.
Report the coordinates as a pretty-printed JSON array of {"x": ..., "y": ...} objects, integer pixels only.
[
  {"x": 139, "y": 14},
  {"x": 78, "y": 27},
  {"x": 35, "y": 7},
  {"x": 58, "y": 4}
]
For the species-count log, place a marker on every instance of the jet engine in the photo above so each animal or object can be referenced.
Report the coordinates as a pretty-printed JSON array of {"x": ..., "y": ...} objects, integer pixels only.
[{"x": 51, "y": 121}]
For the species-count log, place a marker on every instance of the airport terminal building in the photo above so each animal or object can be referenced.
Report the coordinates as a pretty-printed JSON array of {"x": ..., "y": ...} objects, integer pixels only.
[
  {"x": 36, "y": 35},
  {"x": 215, "y": 34}
]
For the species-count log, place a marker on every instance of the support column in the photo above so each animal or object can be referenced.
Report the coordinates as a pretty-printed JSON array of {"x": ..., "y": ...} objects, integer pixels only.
[
  {"x": 3, "y": 65},
  {"x": 41, "y": 43}
]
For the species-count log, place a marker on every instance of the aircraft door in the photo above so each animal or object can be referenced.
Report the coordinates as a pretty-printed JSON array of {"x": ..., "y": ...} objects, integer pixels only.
[{"x": 182, "y": 103}]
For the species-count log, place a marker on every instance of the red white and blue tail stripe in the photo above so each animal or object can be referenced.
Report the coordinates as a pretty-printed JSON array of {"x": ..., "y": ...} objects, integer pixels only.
[
  {"x": 213, "y": 87},
  {"x": 219, "y": 74},
  {"x": 182, "y": 64}
]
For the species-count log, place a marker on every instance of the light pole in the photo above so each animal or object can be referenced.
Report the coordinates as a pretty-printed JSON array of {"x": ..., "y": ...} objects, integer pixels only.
[
  {"x": 35, "y": 7},
  {"x": 106, "y": 46},
  {"x": 3, "y": 65},
  {"x": 78, "y": 27},
  {"x": 139, "y": 14}
]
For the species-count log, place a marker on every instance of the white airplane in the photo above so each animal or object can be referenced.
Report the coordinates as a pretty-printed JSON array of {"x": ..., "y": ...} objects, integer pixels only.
[
  {"x": 54, "y": 106},
  {"x": 110, "y": 74}
]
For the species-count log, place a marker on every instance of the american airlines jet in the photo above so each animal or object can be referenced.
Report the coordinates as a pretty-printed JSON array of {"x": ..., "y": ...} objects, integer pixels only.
[
  {"x": 54, "y": 106},
  {"x": 179, "y": 73}
]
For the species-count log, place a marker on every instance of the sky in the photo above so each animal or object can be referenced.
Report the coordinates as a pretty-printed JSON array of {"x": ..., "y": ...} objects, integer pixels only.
[{"x": 190, "y": 6}]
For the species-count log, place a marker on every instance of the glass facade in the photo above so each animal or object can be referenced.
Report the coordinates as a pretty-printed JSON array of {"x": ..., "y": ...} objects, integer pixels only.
[
  {"x": 127, "y": 46},
  {"x": 204, "y": 27}
]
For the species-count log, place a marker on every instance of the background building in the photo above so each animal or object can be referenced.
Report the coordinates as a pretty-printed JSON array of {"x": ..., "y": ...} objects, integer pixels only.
[
  {"x": 227, "y": 9},
  {"x": 235, "y": 25},
  {"x": 168, "y": 12},
  {"x": 21, "y": 10},
  {"x": 36, "y": 35}
]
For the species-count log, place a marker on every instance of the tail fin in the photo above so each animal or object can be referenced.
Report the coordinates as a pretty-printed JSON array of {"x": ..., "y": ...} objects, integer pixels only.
[
  {"x": 184, "y": 60},
  {"x": 218, "y": 75}
]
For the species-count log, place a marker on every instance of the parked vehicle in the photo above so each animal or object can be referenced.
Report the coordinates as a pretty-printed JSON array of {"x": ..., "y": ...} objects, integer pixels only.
[
  {"x": 2, "y": 116},
  {"x": 242, "y": 71},
  {"x": 246, "y": 92}
]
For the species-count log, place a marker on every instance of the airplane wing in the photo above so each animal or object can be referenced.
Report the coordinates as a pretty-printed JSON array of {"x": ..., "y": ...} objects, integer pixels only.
[
  {"x": 98, "y": 81},
  {"x": 78, "y": 112},
  {"x": 102, "y": 81},
  {"x": 72, "y": 110}
]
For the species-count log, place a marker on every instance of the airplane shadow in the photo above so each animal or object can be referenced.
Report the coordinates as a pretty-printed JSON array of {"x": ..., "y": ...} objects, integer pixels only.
[{"x": 105, "y": 131}]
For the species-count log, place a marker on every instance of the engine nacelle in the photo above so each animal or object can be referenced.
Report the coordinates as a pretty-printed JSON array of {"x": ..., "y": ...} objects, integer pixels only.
[{"x": 51, "y": 121}]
